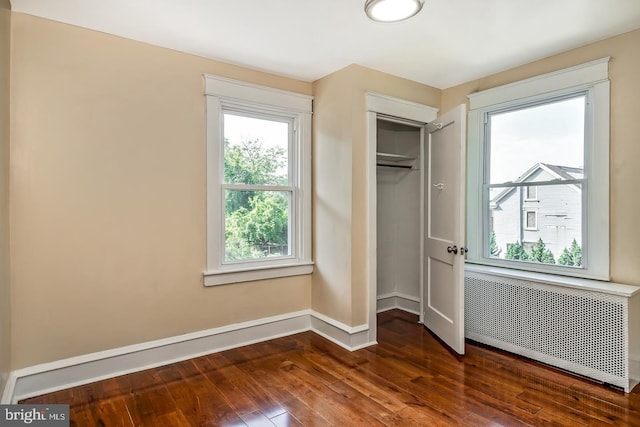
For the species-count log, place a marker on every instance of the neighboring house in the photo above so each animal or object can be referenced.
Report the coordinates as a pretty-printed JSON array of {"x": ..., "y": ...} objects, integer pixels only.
[{"x": 552, "y": 213}]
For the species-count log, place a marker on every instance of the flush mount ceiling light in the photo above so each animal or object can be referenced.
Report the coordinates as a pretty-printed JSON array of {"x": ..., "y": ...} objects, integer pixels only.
[{"x": 392, "y": 10}]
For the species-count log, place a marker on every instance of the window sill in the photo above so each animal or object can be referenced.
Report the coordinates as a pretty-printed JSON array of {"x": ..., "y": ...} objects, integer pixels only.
[
  {"x": 554, "y": 279},
  {"x": 214, "y": 278}
]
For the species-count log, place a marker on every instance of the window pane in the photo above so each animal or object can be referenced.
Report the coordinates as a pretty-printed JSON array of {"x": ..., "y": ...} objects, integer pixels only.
[
  {"x": 551, "y": 134},
  {"x": 547, "y": 230},
  {"x": 531, "y": 220},
  {"x": 256, "y": 224},
  {"x": 255, "y": 150}
]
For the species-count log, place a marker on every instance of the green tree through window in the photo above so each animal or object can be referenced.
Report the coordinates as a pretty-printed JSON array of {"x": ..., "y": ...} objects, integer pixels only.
[
  {"x": 540, "y": 253},
  {"x": 256, "y": 221},
  {"x": 572, "y": 256},
  {"x": 494, "y": 249},
  {"x": 516, "y": 251}
]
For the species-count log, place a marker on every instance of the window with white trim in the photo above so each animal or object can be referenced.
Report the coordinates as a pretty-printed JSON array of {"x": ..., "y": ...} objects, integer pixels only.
[
  {"x": 258, "y": 182},
  {"x": 551, "y": 130},
  {"x": 532, "y": 193}
]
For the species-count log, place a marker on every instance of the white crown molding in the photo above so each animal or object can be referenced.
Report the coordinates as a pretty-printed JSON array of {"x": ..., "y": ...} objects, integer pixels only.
[
  {"x": 578, "y": 75},
  {"x": 237, "y": 89},
  {"x": 396, "y": 107}
]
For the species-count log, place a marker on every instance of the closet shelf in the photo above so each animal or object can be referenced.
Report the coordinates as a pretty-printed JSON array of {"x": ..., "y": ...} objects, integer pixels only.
[{"x": 389, "y": 157}]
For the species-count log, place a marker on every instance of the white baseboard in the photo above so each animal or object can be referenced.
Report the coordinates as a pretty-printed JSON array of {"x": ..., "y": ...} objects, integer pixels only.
[
  {"x": 398, "y": 300},
  {"x": 350, "y": 337},
  {"x": 9, "y": 385},
  {"x": 62, "y": 374},
  {"x": 75, "y": 371}
]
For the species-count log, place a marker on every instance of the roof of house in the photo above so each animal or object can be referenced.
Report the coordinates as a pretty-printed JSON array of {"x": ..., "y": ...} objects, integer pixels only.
[
  {"x": 560, "y": 173},
  {"x": 565, "y": 172}
]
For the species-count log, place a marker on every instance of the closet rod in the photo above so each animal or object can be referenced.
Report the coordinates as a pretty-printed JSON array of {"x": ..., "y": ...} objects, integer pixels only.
[{"x": 394, "y": 166}]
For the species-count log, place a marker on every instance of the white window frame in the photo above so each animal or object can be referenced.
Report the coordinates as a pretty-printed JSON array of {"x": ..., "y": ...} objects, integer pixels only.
[
  {"x": 591, "y": 78},
  {"x": 223, "y": 94}
]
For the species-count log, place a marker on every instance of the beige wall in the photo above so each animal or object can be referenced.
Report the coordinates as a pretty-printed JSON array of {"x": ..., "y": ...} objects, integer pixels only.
[
  {"x": 332, "y": 194},
  {"x": 341, "y": 191},
  {"x": 5, "y": 291},
  {"x": 108, "y": 179},
  {"x": 624, "y": 73}
]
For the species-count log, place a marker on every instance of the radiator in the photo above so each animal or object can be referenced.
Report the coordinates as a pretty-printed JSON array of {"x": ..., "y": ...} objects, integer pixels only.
[{"x": 581, "y": 331}]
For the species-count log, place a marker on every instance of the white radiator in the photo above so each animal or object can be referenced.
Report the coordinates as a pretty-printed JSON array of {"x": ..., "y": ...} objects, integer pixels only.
[{"x": 581, "y": 331}]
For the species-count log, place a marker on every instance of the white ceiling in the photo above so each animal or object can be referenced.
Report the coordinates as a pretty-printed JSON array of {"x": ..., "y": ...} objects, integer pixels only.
[{"x": 449, "y": 42}]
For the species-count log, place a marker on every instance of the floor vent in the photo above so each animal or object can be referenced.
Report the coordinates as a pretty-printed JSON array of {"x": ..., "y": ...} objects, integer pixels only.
[{"x": 584, "y": 332}]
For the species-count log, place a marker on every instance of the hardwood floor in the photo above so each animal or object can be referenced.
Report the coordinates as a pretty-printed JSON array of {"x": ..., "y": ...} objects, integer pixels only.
[{"x": 407, "y": 379}]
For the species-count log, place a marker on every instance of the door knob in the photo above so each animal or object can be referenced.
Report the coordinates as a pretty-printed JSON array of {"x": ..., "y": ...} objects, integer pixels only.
[
  {"x": 452, "y": 249},
  {"x": 463, "y": 250}
]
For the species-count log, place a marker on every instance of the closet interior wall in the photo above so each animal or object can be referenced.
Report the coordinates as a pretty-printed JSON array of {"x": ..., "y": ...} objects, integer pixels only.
[{"x": 398, "y": 214}]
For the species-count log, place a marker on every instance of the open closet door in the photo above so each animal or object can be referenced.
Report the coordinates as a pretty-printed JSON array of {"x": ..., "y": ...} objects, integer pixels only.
[{"x": 444, "y": 222}]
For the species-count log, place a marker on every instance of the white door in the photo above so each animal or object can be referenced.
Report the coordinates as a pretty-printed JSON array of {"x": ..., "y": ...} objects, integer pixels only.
[{"x": 444, "y": 245}]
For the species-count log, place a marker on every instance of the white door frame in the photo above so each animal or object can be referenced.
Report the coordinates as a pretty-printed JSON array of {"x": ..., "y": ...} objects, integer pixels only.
[{"x": 382, "y": 104}]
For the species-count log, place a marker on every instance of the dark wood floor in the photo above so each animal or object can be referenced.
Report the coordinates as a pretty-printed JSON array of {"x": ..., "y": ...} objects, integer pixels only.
[{"x": 407, "y": 379}]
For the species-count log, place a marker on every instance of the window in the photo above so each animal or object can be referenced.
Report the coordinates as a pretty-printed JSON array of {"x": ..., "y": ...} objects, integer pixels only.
[
  {"x": 531, "y": 220},
  {"x": 257, "y": 186},
  {"x": 258, "y": 182},
  {"x": 553, "y": 131},
  {"x": 532, "y": 193}
]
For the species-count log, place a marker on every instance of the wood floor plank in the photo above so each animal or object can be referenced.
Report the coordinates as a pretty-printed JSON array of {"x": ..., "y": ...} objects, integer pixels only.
[
  {"x": 81, "y": 418},
  {"x": 408, "y": 379},
  {"x": 306, "y": 415},
  {"x": 147, "y": 404},
  {"x": 257, "y": 419},
  {"x": 337, "y": 408},
  {"x": 558, "y": 403},
  {"x": 173, "y": 418},
  {"x": 491, "y": 409},
  {"x": 362, "y": 401},
  {"x": 419, "y": 416},
  {"x": 286, "y": 420},
  {"x": 200, "y": 401},
  {"x": 112, "y": 412}
]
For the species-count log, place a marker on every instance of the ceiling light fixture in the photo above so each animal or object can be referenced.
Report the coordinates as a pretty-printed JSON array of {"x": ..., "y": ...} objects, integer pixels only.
[{"x": 392, "y": 10}]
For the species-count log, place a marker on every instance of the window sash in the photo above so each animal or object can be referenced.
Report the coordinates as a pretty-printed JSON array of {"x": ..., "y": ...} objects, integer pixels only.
[
  {"x": 487, "y": 186},
  {"x": 261, "y": 114},
  {"x": 291, "y": 216}
]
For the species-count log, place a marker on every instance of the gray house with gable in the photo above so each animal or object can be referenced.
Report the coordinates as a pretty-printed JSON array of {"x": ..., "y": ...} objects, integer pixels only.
[{"x": 552, "y": 213}]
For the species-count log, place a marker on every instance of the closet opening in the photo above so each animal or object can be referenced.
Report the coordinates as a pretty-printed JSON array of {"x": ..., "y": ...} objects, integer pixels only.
[
  {"x": 399, "y": 212},
  {"x": 416, "y": 178},
  {"x": 396, "y": 135}
]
